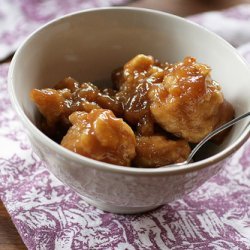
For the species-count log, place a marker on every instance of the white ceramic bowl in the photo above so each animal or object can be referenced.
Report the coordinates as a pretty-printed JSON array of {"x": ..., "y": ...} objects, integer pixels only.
[{"x": 88, "y": 45}]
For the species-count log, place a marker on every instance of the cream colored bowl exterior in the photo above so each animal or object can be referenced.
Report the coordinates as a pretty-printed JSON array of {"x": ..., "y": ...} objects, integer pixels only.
[{"x": 88, "y": 45}]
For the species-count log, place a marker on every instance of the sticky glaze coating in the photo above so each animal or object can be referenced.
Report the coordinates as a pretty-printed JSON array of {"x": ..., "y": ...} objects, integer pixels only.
[
  {"x": 133, "y": 82},
  {"x": 158, "y": 150},
  {"x": 58, "y": 103},
  {"x": 188, "y": 103},
  {"x": 101, "y": 136},
  {"x": 164, "y": 106}
]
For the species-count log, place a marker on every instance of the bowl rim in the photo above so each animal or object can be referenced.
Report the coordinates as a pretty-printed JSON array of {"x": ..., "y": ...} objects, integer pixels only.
[{"x": 102, "y": 166}]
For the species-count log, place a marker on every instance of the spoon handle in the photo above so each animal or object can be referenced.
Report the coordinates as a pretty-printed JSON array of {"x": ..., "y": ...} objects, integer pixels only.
[{"x": 213, "y": 133}]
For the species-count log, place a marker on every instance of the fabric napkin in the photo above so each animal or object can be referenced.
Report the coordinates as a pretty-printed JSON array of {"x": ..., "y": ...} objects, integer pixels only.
[{"x": 49, "y": 215}]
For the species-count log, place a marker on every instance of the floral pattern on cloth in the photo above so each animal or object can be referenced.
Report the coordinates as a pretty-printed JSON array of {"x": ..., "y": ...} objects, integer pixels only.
[
  {"x": 19, "y": 18},
  {"x": 49, "y": 215}
]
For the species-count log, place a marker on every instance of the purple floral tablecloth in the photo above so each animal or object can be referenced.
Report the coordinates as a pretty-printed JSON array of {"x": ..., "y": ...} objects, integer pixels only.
[{"x": 49, "y": 215}]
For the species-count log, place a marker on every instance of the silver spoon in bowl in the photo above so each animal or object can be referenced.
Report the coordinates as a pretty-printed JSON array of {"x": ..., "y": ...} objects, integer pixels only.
[{"x": 208, "y": 137}]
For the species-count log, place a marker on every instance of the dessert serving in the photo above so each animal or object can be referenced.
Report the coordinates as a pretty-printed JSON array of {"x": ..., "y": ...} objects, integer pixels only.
[
  {"x": 79, "y": 132},
  {"x": 150, "y": 117}
]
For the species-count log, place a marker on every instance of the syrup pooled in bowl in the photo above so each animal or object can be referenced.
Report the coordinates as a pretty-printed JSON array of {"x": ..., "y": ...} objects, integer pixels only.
[{"x": 148, "y": 119}]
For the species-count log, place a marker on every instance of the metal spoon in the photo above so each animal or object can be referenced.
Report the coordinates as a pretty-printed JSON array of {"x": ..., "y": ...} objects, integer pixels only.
[{"x": 208, "y": 137}]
